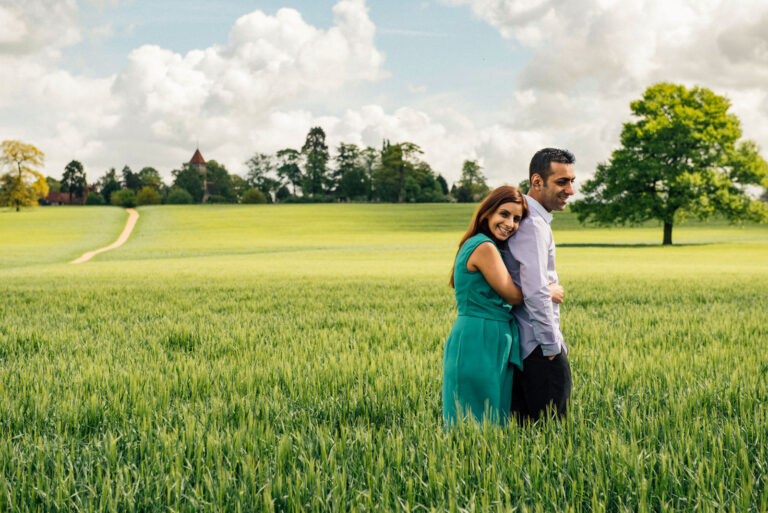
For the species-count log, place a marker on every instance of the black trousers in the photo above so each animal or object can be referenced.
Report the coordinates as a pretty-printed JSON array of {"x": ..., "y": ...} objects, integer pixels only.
[{"x": 541, "y": 382}]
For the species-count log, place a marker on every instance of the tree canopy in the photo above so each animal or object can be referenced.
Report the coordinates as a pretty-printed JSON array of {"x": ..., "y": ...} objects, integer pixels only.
[
  {"x": 73, "y": 180},
  {"x": 22, "y": 184},
  {"x": 681, "y": 156},
  {"x": 131, "y": 180},
  {"x": 220, "y": 181},
  {"x": 288, "y": 167},
  {"x": 315, "y": 151},
  {"x": 109, "y": 184},
  {"x": 150, "y": 177},
  {"x": 349, "y": 176},
  {"x": 189, "y": 179},
  {"x": 395, "y": 172},
  {"x": 261, "y": 168},
  {"x": 472, "y": 186}
]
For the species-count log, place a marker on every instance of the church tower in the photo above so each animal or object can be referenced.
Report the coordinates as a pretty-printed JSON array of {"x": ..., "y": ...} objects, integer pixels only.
[{"x": 198, "y": 163}]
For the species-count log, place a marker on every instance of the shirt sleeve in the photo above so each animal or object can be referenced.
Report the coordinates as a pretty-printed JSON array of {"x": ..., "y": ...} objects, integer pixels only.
[{"x": 530, "y": 249}]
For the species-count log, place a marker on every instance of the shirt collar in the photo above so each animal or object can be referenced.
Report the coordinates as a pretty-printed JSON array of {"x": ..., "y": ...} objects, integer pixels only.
[{"x": 535, "y": 206}]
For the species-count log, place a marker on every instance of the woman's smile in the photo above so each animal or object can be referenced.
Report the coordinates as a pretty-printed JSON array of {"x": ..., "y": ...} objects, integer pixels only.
[{"x": 505, "y": 232}]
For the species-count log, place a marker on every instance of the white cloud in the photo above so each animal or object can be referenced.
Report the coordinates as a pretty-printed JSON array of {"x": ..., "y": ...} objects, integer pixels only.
[
  {"x": 447, "y": 139},
  {"x": 28, "y": 26},
  {"x": 152, "y": 112},
  {"x": 590, "y": 58},
  {"x": 13, "y": 30}
]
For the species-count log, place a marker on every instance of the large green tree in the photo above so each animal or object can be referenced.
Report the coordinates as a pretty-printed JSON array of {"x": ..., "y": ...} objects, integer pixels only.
[
  {"x": 395, "y": 171},
  {"x": 261, "y": 170},
  {"x": 54, "y": 185},
  {"x": 109, "y": 184},
  {"x": 189, "y": 179},
  {"x": 422, "y": 185},
  {"x": 350, "y": 178},
  {"x": 472, "y": 186},
  {"x": 73, "y": 180},
  {"x": 316, "y": 156},
  {"x": 131, "y": 180},
  {"x": 22, "y": 184},
  {"x": 369, "y": 160},
  {"x": 220, "y": 181},
  {"x": 150, "y": 177},
  {"x": 681, "y": 156},
  {"x": 239, "y": 185},
  {"x": 288, "y": 167},
  {"x": 443, "y": 184}
]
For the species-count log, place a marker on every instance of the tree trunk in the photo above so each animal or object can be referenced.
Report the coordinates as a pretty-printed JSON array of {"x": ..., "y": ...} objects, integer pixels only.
[{"x": 667, "y": 234}]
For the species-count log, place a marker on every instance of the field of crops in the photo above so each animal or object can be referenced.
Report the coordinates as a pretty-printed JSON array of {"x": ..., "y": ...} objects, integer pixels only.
[{"x": 288, "y": 358}]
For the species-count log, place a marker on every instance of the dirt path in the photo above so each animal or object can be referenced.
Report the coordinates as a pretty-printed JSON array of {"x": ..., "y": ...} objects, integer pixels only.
[{"x": 133, "y": 216}]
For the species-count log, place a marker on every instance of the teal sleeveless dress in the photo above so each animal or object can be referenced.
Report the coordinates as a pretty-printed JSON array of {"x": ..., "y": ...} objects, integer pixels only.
[{"x": 482, "y": 348}]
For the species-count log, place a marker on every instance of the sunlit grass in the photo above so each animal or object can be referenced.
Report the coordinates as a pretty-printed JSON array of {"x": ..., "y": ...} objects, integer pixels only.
[
  {"x": 55, "y": 234},
  {"x": 289, "y": 358}
]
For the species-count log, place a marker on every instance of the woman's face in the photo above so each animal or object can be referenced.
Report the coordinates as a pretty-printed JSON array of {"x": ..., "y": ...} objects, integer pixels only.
[{"x": 504, "y": 221}]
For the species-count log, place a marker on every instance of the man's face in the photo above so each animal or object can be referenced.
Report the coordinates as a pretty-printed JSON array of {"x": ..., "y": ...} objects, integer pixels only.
[{"x": 554, "y": 194}]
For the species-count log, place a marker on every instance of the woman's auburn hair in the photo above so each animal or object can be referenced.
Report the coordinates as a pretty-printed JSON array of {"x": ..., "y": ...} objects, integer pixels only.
[{"x": 479, "y": 224}]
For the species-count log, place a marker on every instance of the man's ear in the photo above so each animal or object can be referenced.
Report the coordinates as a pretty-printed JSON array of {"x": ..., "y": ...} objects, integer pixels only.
[{"x": 536, "y": 181}]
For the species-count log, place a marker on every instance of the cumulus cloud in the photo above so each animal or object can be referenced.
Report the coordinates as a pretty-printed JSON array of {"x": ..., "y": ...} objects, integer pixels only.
[
  {"x": 590, "y": 58},
  {"x": 238, "y": 98},
  {"x": 269, "y": 59},
  {"x": 28, "y": 26},
  {"x": 226, "y": 96}
]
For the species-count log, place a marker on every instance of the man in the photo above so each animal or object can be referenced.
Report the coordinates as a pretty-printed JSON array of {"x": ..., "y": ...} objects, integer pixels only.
[{"x": 530, "y": 260}]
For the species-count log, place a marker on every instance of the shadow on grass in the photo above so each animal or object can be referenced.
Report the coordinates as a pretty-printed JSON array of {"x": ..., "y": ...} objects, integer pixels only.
[{"x": 628, "y": 245}]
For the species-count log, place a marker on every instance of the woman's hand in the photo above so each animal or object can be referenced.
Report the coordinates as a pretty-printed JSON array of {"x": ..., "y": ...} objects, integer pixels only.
[{"x": 557, "y": 292}]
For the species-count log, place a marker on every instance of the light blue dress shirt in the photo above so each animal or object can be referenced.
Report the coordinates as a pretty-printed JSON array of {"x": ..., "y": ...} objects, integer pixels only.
[{"x": 530, "y": 260}]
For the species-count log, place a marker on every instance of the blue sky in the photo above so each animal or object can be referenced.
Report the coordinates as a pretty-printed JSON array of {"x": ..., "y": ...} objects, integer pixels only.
[{"x": 116, "y": 82}]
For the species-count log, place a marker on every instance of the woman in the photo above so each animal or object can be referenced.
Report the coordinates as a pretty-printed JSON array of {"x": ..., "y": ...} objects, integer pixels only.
[{"x": 483, "y": 344}]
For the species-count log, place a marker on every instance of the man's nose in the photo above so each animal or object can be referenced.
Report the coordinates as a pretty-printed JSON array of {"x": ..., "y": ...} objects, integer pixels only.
[{"x": 569, "y": 189}]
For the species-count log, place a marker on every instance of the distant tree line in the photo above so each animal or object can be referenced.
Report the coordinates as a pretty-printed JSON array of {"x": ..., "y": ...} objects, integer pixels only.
[{"x": 394, "y": 173}]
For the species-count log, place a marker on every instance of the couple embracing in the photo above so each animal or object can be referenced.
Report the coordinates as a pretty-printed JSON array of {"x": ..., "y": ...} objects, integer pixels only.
[{"x": 505, "y": 354}]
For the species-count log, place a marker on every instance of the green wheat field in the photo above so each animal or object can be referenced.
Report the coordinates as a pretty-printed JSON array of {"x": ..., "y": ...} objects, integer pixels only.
[{"x": 289, "y": 358}]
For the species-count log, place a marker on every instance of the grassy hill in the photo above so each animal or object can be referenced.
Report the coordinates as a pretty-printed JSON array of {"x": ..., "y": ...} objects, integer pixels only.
[{"x": 289, "y": 358}]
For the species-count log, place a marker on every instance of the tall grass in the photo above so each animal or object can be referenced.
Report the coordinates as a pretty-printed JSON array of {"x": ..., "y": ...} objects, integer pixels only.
[{"x": 266, "y": 372}]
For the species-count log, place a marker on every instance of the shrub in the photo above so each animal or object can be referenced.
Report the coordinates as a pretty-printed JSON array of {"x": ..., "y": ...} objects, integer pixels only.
[
  {"x": 124, "y": 198},
  {"x": 179, "y": 196},
  {"x": 217, "y": 198},
  {"x": 282, "y": 193},
  {"x": 148, "y": 196},
  {"x": 94, "y": 198},
  {"x": 254, "y": 196}
]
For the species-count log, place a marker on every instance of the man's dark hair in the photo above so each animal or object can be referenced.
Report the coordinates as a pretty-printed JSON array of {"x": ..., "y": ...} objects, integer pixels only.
[{"x": 541, "y": 163}]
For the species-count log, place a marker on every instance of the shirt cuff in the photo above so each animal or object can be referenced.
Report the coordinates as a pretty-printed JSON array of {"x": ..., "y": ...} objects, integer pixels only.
[{"x": 550, "y": 349}]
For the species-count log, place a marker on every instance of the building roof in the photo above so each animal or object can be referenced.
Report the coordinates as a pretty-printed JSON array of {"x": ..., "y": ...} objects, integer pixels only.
[
  {"x": 63, "y": 198},
  {"x": 197, "y": 158}
]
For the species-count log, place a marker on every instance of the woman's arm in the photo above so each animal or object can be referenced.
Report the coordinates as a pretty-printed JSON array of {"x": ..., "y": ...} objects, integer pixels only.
[{"x": 486, "y": 259}]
